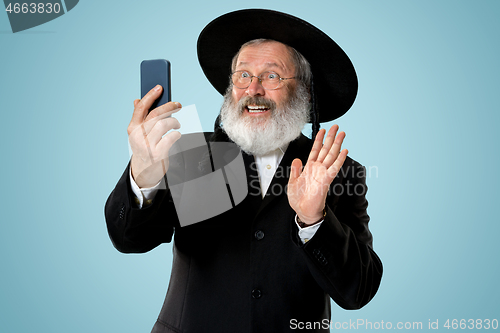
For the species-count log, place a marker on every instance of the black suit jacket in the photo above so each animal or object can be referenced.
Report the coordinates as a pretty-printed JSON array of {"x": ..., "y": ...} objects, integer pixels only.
[{"x": 246, "y": 270}]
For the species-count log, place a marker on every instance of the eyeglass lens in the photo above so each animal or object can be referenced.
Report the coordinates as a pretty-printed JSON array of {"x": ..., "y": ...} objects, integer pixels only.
[{"x": 269, "y": 80}]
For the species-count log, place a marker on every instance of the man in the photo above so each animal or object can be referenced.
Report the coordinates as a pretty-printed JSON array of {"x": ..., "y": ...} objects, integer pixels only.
[{"x": 272, "y": 263}]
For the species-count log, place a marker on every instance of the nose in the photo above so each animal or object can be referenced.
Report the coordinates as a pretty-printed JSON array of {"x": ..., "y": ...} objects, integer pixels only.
[{"x": 255, "y": 88}]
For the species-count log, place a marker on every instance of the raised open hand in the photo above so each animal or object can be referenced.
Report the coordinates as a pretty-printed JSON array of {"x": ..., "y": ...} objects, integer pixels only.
[{"x": 307, "y": 189}]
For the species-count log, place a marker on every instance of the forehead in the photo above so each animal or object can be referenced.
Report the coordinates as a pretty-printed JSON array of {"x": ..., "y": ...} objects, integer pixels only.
[{"x": 269, "y": 56}]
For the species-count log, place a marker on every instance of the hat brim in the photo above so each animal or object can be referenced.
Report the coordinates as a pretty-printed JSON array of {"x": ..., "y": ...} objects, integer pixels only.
[{"x": 334, "y": 76}]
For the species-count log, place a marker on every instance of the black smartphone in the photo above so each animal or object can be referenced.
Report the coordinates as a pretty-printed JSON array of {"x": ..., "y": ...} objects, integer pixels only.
[{"x": 155, "y": 72}]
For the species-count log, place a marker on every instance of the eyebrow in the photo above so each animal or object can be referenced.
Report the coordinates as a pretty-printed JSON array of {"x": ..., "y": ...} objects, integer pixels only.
[{"x": 268, "y": 64}]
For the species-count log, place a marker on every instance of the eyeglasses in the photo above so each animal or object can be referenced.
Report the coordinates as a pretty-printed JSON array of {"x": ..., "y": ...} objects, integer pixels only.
[{"x": 269, "y": 80}]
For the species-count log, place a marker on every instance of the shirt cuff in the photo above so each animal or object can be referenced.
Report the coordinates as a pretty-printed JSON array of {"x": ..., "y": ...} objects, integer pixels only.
[
  {"x": 143, "y": 196},
  {"x": 305, "y": 234}
]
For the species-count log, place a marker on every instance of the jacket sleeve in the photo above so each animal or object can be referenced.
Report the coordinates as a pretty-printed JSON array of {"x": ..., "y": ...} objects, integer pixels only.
[
  {"x": 340, "y": 255},
  {"x": 134, "y": 230}
]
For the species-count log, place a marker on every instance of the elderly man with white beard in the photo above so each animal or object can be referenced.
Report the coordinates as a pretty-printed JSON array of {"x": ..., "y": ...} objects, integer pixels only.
[
  {"x": 274, "y": 261},
  {"x": 256, "y": 134}
]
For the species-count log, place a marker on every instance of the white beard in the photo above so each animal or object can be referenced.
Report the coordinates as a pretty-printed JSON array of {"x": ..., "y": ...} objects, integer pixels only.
[{"x": 261, "y": 136}]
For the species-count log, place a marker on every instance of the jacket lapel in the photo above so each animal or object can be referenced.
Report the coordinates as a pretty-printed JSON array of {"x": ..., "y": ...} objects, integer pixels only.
[{"x": 254, "y": 198}]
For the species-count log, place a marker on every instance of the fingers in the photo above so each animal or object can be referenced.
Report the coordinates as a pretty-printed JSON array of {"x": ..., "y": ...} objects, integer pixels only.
[
  {"x": 161, "y": 127},
  {"x": 170, "y": 107},
  {"x": 142, "y": 107},
  {"x": 166, "y": 143},
  {"x": 329, "y": 141},
  {"x": 334, "y": 150},
  {"x": 327, "y": 153},
  {"x": 296, "y": 170},
  {"x": 333, "y": 170},
  {"x": 318, "y": 143},
  {"x": 160, "y": 113}
]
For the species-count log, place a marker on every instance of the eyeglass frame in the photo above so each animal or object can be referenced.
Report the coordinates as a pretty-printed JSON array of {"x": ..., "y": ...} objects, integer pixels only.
[{"x": 260, "y": 80}]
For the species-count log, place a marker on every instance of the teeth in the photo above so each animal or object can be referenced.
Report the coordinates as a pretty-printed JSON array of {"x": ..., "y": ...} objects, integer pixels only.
[{"x": 256, "y": 108}]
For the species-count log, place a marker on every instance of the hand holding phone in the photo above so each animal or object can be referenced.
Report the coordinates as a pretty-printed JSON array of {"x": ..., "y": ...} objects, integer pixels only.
[{"x": 149, "y": 141}]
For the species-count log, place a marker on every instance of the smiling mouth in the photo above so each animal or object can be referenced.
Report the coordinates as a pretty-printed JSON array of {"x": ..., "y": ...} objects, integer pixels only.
[{"x": 256, "y": 108}]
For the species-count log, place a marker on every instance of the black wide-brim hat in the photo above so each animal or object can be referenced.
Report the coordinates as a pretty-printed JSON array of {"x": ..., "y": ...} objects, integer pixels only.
[{"x": 335, "y": 83}]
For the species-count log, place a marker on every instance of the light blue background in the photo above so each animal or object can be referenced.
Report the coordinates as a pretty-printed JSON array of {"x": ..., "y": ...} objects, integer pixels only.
[{"x": 426, "y": 118}]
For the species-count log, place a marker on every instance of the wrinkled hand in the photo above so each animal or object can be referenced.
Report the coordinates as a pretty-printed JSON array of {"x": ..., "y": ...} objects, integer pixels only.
[
  {"x": 147, "y": 138},
  {"x": 307, "y": 189}
]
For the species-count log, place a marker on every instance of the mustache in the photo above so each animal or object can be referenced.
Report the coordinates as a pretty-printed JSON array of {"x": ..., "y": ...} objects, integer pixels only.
[{"x": 250, "y": 100}]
